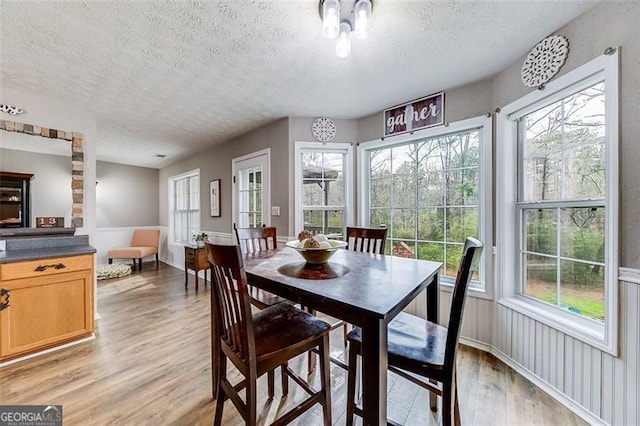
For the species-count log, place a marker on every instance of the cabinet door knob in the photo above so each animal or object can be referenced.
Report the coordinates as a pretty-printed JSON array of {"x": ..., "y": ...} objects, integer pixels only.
[{"x": 4, "y": 294}]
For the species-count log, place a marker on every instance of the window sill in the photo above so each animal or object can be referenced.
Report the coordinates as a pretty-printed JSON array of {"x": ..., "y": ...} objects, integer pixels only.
[
  {"x": 565, "y": 322},
  {"x": 446, "y": 285}
]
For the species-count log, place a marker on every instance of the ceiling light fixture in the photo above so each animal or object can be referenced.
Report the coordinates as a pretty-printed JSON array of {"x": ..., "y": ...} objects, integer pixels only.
[{"x": 358, "y": 16}]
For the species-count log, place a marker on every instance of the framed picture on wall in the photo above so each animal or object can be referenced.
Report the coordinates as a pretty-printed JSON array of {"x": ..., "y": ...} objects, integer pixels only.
[{"x": 214, "y": 193}]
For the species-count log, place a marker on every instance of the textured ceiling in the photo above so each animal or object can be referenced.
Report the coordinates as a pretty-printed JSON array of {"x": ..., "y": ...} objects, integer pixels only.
[{"x": 176, "y": 77}]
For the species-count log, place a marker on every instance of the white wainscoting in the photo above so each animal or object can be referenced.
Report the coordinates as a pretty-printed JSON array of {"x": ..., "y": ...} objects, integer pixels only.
[{"x": 596, "y": 385}]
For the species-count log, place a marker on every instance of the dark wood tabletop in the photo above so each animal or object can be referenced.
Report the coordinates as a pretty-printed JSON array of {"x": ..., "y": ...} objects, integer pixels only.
[{"x": 364, "y": 289}]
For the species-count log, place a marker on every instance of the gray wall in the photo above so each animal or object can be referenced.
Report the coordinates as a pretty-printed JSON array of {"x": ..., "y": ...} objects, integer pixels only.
[
  {"x": 215, "y": 163},
  {"x": 51, "y": 184},
  {"x": 126, "y": 195}
]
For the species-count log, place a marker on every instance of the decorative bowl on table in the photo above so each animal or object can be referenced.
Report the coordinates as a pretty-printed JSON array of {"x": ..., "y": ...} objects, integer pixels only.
[{"x": 317, "y": 255}]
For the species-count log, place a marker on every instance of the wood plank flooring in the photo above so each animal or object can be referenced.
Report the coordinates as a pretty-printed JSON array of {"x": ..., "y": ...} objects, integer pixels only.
[{"x": 150, "y": 364}]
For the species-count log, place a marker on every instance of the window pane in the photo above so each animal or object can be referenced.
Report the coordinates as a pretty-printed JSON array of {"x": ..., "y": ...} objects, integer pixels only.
[
  {"x": 312, "y": 192},
  {"x": 431, "y": 189},
  {"x": 335, "y": 223},
  {"x": 403, "y": 248},
  {"x": 312, "y": 220},
  {"x": 404, "y": 223},
  {"x": 584, "y": 171},
  {"x": 461, "y": 223},
  {"x": 380, "y": 162},
  {"x": 380, "y": 192},
  {"x": 541, "y": 231},
  {"x": 542, "y": 176},
  {"x": 541, "y": 278},
  {"x": 404, "y": 191},
  {"x": 431, "y": 224},
  {"x": 431, "y": 251},
  {"x": 335, "y": 192},
  {"x": 462, "y": 187},
  {"x": 463, "y": 149},
  {"x": 453, "y": 255},
  {"x": 403, "y": 159},
  {"x": 432, "y": 155},
  {"x": 582, "y": 289},
  {"x": 380, "y": 218},
  {"x": 582, "y": 231}
]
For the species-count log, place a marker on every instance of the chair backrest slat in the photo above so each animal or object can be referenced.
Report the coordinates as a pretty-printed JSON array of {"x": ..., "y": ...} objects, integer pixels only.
[
  {"x": 367, "y": 240},
  {"x": 230, "y": 299},
  {"x": 252, "y": 240},
  {"x": 470, "y": 258}
]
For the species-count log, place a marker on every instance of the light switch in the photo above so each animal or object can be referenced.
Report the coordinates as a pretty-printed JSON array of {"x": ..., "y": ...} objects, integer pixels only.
[{"x": 275, "y": 210}]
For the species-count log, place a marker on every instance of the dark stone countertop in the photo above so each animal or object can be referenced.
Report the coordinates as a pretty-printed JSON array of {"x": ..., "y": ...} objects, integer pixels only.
[
  {"x": 34, "y": 232},
  {"x": 44, "y": 253}
]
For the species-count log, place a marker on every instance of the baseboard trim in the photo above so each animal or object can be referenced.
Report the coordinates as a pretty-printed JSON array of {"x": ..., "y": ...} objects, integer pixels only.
[
  {"x": 475, "y": 344},
  {"x": 554, "y": 393},
  {"x": 46, "y": 351}
]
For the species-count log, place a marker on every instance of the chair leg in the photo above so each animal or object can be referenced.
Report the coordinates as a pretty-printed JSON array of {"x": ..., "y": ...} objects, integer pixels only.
[
  {"x": 285, "y": 379},
  {"x": 251, "y": 398},
  {"x": 110, "y": 261},
  {"x": 351, "y": 384},
  {"x": 325, "y": 373},
  {"x": 456, "y": 407},
  {"x": 222, "y": 370},
  {"x": 270, "y": 384},
  {"x": 140, "y": 264},
  {"x": 448, "y": 398},
  {"x": 344, "y": 333},
  {"x": 311, "y": 363},
  {"x": 158, "y": 263}
]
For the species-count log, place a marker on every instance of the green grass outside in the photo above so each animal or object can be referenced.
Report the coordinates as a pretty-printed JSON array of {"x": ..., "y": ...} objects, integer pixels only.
[{"x": 589, "y": 308}]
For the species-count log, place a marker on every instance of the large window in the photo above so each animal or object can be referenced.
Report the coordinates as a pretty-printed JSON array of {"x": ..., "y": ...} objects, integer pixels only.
[
  {"x": 428, "y": 192},
  {"x": 564, "y": 200},
  {"x": 322, "y": 188},
  {"x": 185, "y": 212}
]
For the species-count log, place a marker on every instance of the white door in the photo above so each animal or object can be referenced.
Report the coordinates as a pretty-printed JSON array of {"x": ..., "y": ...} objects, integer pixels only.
[{"x": 251, "y": 184}]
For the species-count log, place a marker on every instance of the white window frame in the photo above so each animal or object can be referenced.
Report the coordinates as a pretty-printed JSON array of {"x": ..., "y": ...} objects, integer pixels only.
[
  {"x": 266, "y": 183},
  {"x": 485, "y": 200},
  {"x": 604, "y": 337},
  {"x": 348, "y": 173},
  {"x": 172, "y": 203}
]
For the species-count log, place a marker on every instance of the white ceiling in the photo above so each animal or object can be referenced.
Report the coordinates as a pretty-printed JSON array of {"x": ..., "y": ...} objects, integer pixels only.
[{"x": 177, "y": 77}]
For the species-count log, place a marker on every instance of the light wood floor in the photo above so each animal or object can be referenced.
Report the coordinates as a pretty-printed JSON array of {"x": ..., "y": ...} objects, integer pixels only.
[{"x": 150, "y": 364}]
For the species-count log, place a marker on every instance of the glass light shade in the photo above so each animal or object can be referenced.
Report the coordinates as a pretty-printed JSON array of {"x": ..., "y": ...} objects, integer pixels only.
[
  {"x": 331, "y": 18},
  {"x": 362, "y": 16},
  {"x": 343, "y": 45}
]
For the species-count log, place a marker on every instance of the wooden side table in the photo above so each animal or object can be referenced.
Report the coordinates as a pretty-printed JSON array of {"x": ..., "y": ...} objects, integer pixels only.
[{"x": 195, "y": 258}]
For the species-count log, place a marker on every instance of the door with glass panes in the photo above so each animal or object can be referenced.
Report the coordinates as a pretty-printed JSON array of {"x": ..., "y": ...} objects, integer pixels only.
[{"x": 251, "y": 191}]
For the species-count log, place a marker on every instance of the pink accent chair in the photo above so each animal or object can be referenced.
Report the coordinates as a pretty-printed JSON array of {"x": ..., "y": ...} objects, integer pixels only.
[{"x": 144, "y": 243}]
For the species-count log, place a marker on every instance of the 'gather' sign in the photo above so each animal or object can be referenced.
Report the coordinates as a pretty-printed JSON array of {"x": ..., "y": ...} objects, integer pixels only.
[{"x": 418, "y": 114}]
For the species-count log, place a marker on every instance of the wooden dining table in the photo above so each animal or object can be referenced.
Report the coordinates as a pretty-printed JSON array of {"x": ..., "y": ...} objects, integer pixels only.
[{"x": 366, "y": 290}]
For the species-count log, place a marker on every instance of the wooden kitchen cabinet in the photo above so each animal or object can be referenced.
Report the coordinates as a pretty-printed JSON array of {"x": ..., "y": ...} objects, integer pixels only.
[{"x": 50, "y": 302}]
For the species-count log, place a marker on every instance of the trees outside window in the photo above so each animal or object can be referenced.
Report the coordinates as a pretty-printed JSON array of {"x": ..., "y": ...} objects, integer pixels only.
[
  {"x": 428, "y": 191},
  {"x": 561, "y": 202}
]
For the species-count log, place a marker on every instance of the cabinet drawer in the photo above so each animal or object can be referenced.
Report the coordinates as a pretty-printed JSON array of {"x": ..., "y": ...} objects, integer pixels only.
[{"x": 42, "y": 267}]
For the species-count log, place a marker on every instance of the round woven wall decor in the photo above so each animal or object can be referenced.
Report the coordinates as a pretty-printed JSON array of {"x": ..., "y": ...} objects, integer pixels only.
[
  {"x": 545, "y": 60},
  {"x": 323, "y": 129}
]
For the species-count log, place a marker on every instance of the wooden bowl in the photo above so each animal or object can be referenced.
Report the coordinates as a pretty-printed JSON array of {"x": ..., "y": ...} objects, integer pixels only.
[{"x": 317, "y": 256}]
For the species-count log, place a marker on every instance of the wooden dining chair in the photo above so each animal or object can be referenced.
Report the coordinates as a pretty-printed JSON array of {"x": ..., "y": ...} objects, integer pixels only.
[
  {"x": 257, "y": 344},
  {"x": 367, "y": 240},
  {"x": 423, "y": 348},
  {"x": 251, "y": 241}
]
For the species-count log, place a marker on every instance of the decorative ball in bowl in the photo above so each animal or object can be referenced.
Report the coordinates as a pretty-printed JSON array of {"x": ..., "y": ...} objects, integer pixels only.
[{"x": 317, "y": 251}]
